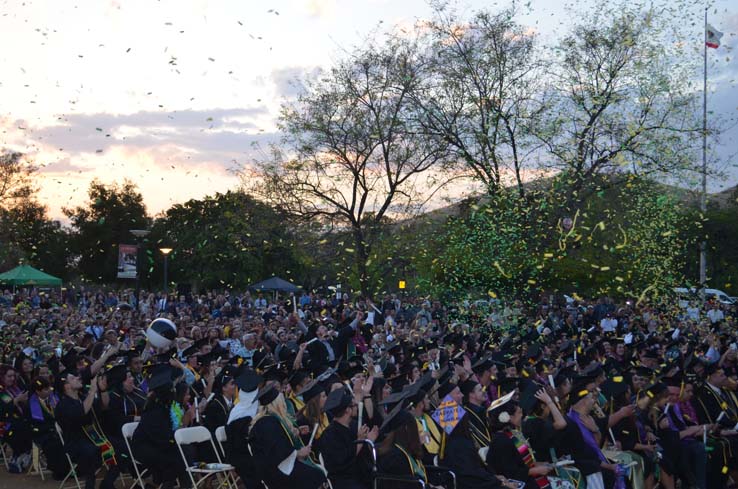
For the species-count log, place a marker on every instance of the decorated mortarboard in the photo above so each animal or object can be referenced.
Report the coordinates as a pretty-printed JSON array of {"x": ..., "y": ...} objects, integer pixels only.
[
  {"x": 448, "y": 414},
  {"x": 248, "y": 380},
  {"x": 338, "y": 400},
  {"x": 311, "y": 390},
  {"x": 501, "y": 401},
  {"x": 267, "y": 394}
]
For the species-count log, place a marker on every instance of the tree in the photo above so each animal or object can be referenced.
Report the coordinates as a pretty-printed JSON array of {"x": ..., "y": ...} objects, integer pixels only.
[
  {"x": 16, "y": 178},
  {"x": 620, "y": 104},
  {"x": 484, "y": 88},
  {"x": 353, "y": 154},
  {"x": 229, "y": 240},
  {"x": 104, "y": 222}
]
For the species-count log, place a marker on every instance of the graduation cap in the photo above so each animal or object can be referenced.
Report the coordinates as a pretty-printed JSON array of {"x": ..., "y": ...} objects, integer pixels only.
[
  {"x": 484, "y": 363},
  {"x": 528, "y": 399},
  {"x": 267, "y": 395},
  {"x": 499, "y": 402},
  {"x": 194, "y": 349},
  {"x": 248, "y": 380},
  {"x": 468, "y": 386},
  {"x": 445, "y": 389},
  {"x": 161, "y": 376},
  {"x": 414, "y": 394},
  {"x": 338, "y": 400},
  {"x": 580, "y": 389},
  {"x": 116, "y": 374},
  {"x": 396, "y": 419},
  {"x": 312, "y": 390},
  {"x": 655, "y": 389},
  {"x": 614, "y": 387},
  {"x": 507, "y": 384},
  {"x": 274, "y": 372}
]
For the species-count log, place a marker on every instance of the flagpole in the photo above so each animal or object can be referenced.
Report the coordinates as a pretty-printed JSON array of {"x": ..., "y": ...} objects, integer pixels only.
[{"x": 703, "y": 203}]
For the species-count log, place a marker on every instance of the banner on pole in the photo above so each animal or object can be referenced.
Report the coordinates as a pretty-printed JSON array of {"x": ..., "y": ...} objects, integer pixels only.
[{"x": 127, "y": 260}]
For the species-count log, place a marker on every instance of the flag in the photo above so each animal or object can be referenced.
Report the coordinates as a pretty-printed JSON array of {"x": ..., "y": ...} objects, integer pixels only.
[{"x": 713, "y": 37}]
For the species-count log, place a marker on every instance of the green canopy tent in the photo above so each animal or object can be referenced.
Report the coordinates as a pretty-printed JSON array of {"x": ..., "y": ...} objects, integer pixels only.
[{"x": 27, "y": 275}]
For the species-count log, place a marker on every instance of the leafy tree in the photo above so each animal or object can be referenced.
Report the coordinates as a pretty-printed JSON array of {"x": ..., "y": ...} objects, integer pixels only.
[
  {"x": 229, "y": 240},
  {"x": 353, "y": 154},
  {"x": 16, "y": 178},
  {"x": 104, "y": 222}
]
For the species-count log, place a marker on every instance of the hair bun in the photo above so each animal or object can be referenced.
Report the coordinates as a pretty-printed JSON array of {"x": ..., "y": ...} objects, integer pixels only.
[{"x": 503, "y": 417}]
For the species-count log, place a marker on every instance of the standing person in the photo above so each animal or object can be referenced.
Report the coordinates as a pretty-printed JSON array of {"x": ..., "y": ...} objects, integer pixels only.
[
  {"x": 338, "y": 446},
  {"x": 281, "y": 459},
  {"x": 153, "y": 441},
  {"x": 41, "y": 407},
  {"x": 83, "y": 439}
]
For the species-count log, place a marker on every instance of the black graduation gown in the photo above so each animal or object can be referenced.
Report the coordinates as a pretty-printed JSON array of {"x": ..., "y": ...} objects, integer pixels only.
[
  {"x": 505, "y": 459},
  {"x": 153, "y": 445},
  {"x": 270, "y": 445},
  {"x": 471, "y": 473},
  {"x": 238, "y": 454},
  {"x": 585, "y": 458},
  {"x": 45, "y": 436},
  {"x": 478, "y": 425},
  {"x": 17, "y": 431},
  {"x": 626, "y": 432},
  {"x": 396, "y": 463},
  {"x": 345, "y": 468},
  {"x": 216, "y": 413},
  {"x": 70, "y": 415},
  {"x": 542, "y": 436}
]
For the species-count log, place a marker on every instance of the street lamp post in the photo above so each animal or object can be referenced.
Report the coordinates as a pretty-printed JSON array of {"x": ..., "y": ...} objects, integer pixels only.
[
  {"x": 165, "y": 252},
  {"x": 140, "y": 234}
]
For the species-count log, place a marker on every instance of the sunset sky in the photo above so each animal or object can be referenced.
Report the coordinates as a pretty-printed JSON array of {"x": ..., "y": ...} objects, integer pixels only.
[{"x": 174, "y": 94}]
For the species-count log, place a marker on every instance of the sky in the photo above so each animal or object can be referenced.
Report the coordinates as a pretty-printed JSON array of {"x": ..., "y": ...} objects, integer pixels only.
[{"x": 176, "y": 94}]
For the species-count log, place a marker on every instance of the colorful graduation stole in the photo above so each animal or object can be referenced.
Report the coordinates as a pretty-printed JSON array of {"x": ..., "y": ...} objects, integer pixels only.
[
  {"x": 106, "y": 448},
  {"x": 521, "y": 445}
]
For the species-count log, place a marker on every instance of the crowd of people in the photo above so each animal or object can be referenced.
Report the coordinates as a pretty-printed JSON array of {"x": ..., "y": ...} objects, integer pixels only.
[{"x": 563, "y": 393}]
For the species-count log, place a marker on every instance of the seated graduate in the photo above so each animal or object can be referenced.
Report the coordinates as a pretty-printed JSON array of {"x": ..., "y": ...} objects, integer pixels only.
[
  {"x": 280, "y": 458},
  {"x": 219, "y": 406},
  {"x": 580, "y": 437},
  {"x": 510, "y": 453},
  {"x": 153, "y": 442},
  {"x": 400, "y": 452},
  {"x": 41, "y": 406},
  {"x": 83, "y": 439},
  {"x": 461, "y": 456},
  {"x": 313, "y": 396},
  {"x": 239, "y": 424},
  {"x": 341, "y": 454}
]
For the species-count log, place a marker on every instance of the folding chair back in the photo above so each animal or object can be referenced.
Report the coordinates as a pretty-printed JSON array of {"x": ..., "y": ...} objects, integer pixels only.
[
  {"x": 221, "y": 438},
  {"x": 200, "y": 434},
  {"x": 127, "y": 431},
  {"x": 72, "y": 466}
]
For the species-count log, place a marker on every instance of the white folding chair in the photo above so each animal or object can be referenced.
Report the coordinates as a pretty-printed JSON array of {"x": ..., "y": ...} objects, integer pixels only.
[
  {"x": 127, "y": 431},
  {"x": 220, "y": 437},
  {"x": 4, "y": 454},
  {"x": 37, "y": 467},
  {"x": 72, "y": 466},
  {"x": 321, "y": 464},
  {"x": 200, "y": 434}
]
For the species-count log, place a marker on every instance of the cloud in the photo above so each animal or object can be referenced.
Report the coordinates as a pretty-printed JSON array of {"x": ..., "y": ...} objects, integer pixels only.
[{"x": 289, "y": 81}]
